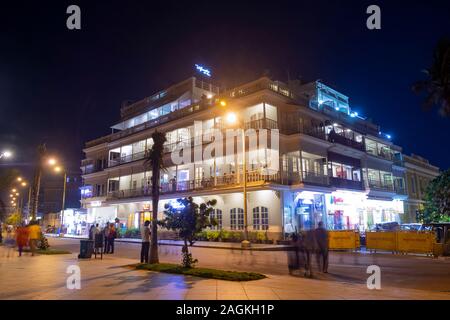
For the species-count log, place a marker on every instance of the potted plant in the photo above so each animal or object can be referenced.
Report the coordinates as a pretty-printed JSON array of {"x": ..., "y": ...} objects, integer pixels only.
[
  {"x": 260, "y": 237},
  {"x": 225, "y": 235}
]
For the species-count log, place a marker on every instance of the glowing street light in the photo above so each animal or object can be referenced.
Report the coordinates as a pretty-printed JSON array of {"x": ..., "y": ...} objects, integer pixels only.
[
  {"x": 5, "y": 154},
  {"x": 23, "y": 184},
  {"x": 223, "y": 103},
  {"x": 14, "y": 190},
  {"x": 51, "y": 161}
]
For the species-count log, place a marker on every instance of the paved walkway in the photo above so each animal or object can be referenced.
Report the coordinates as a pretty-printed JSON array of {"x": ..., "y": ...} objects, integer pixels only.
[
  {"x": 198, "y": 244},
  {"x": 44, "y": 277}
]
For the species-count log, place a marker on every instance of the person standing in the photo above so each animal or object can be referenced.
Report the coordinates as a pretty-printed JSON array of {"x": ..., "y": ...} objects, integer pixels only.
[
  {"x": 321, "y": 236},
  {"x": 145, "y": 235},
  {"x": 105, "y": 236},
  {"x": 111, "y": 236},
  {"x": 34, "y": 234}
]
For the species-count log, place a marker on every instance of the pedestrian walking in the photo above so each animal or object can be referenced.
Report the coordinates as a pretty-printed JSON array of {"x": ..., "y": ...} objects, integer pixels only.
[
  {"x": 111, "y": 237},
  {"x": 145, "y": 235},
  {"x": 22, "y": 235},
  {"x": 34, "y": 231},
  {"x": 309, "y": 245},
  {"x": 105, "y": 236},
  {"x": 321, "y": 237},
  {"x": 293, "y": 262}
]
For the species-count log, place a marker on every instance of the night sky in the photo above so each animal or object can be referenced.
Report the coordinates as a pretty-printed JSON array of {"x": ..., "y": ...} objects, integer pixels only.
[{"x": 65, "y": 87}]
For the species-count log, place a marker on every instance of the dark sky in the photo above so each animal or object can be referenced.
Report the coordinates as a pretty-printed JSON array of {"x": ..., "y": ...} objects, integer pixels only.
[{"x": 65, "y": 87}]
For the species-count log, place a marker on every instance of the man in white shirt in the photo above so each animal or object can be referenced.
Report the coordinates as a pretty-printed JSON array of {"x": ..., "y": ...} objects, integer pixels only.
[{"x": 145, "y": 235}]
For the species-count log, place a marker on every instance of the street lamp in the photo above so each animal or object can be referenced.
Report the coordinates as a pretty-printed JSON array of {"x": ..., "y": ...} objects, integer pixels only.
[
  {"x": 5, "y": 154},
  {"x": 58, "y": 170},
  {"x": 232, "y": 119}
]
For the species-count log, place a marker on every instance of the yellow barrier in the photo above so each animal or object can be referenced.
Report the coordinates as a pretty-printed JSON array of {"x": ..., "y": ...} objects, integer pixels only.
[
  {"x": 417, "y": 242},
  {"x": 381, "y": 241},
  {"x": 401, "y": 241},
  {"x": 343, "y": 240}
]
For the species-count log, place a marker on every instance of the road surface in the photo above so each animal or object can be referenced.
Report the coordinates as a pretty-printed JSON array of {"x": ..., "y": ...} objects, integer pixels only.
[{"x": 397, "y": 271}]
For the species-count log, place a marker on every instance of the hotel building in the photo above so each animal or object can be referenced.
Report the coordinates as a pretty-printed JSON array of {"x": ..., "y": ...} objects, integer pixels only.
[
  {"x": 333, "y": 165},
  {"x": 419, "y": 173}
]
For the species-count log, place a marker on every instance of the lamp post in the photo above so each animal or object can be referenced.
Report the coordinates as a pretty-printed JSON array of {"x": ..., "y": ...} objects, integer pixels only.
[
  {"x": 232, "y": 120},
  {"x": 59, "y": 169}
]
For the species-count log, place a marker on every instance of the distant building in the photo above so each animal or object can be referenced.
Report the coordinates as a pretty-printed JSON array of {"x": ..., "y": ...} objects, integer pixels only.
[
  {"x": 51, "y": 192},
  {"x": 419, "y": 173}
]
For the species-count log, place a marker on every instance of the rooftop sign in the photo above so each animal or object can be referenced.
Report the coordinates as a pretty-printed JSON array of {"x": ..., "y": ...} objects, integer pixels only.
[{"x": 203, "y": 70}]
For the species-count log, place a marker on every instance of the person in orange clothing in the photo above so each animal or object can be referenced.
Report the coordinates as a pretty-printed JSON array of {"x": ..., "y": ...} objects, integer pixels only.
[
  {"x": 34, "y": 234},
  {"x": 21, "y": 238}
]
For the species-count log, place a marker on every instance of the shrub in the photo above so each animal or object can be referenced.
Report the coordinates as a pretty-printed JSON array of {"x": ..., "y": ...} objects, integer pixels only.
[
  {"x": 225, "y": 235},
  {"x": 212, "y": 235},
  {"x": 236, "y": 236},
  {"x": 43, "y": 243},
  {"x": 261, "y": 236},
  {"x": 202, "y": 236},
  {"x": 132, "y": 233}
]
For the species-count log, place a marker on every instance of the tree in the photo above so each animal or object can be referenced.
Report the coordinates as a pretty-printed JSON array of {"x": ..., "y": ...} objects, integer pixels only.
[
  {"x": 6, "y": 181},
  {"x": 155, "y": 162},
  {"x": 437, "y": 200},
  {"x": 14, "y": 219},
  {"x": 41, "y": 152},
  {"x": 188, "y": 218},
  {"x": 437, "y": 84}
]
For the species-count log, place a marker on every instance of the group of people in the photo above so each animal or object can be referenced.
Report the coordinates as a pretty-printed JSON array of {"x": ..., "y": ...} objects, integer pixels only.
[
  {"x": 22, "y": 236},
  {"x": 304, "y": 246},
  {"x": 109, "y": 234}
]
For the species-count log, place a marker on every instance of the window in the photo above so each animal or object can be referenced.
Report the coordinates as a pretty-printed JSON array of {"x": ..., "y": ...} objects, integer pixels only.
[
  {"x": 237, "y": 219},
  {"x": 217, "y": 215},
  {"x": 260, "y": 218}
]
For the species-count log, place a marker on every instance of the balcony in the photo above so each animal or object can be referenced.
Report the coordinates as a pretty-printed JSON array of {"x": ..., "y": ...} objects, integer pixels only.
[
  {"x": 346, "y": 184},
  {"x": 315, "y": 178},
  {"x": 381, "y": 186},
  {"x": 381, "y": 154},
  {"x": 225, "y": 181},
  {"x": 261, "y": 124},
  {"x": 338, "y": 138}
]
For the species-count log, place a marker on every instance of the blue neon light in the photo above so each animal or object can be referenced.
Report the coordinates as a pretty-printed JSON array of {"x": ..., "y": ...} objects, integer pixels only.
[{"x": 203, "y": 70}]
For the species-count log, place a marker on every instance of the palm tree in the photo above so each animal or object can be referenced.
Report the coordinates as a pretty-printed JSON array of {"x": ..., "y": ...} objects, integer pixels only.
[
  {"x": 41, "y": 152},
  {"x": 437, "y": 86},
  {"x": 155, "y": 161}
]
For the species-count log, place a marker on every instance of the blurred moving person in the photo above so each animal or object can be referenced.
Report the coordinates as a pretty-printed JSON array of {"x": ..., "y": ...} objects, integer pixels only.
[
  {"x": 310, "y": 247},
  {"x": 22, "y": 235},
  {"x": 145, "y": 234},
  {"x": 34, "y": 231},
  {"x": 321, "y": 236},
  {"x": 293, "y": 261}
]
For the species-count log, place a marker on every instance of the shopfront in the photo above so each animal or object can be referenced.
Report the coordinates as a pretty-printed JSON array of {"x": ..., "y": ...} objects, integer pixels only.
[
  {"x": 75, "y": 222},
  {"x": 308, "y": 210},
  {"x": 348, "y": 210}
]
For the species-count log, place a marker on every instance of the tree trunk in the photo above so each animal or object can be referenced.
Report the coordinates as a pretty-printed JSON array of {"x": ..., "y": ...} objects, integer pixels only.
[
  {"x": 155, "y": 200},
  {"x": 35, "y": 192}
]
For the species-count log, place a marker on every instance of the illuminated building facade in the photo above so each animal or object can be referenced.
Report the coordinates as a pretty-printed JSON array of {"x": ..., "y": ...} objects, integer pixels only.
[
  {"x": 334, "y": 165},
  {"x": 419, "y": 173}
]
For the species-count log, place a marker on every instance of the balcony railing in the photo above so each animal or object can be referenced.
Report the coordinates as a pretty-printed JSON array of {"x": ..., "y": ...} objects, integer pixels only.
[
  {"x": 338, "y": 138},
  {"x": 381, "y": 186},
  {"x": 347, "y": 184},
  {"x": 261, "y": 124},
  {"x": 314, "y": 178},
  {"x": 173, "y": 187}
]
